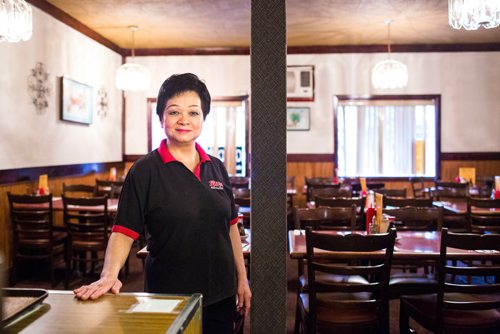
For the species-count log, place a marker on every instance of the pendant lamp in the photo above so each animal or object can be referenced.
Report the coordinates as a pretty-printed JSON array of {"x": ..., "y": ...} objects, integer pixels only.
[
  {"x": 473, "y": 14},
  {"x": 15, "y": 21},
  {"x": 132, "y": 76},
  {"x": 389, "y": 73}
]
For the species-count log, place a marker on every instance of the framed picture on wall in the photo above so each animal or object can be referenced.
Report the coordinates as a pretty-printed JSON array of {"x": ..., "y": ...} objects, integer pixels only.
[
  {"x": 76, "y": 101},
  {"x": 297, "y": 118}
]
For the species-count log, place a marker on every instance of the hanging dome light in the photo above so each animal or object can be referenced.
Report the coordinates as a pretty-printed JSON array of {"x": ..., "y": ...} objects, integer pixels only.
[
  {"x": 389, "y": 73},
  {"x": 132, "y": 76},
  {"x": 473, "y": 14},
  {"x": 15, "y": 21}
]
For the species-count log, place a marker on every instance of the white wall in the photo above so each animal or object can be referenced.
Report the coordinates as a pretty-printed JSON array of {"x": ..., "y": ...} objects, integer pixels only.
[
  {"x": 29, "y": 139},
  {"x": 468, "y": 82}
]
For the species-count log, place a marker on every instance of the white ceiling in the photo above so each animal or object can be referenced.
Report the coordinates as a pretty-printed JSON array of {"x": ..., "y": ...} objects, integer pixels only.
[{"x": 226, "y": 23}]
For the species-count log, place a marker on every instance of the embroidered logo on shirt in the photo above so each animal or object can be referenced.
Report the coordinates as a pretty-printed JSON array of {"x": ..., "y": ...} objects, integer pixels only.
[{"x": 217, "y": 185}]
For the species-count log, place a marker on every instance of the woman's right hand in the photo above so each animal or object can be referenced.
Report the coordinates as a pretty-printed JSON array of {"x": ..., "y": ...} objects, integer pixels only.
[{"x": 98, "y": 288}]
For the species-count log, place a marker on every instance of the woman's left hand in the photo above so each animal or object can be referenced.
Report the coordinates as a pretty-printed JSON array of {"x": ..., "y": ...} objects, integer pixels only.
[{"x": 243, "y": 297}]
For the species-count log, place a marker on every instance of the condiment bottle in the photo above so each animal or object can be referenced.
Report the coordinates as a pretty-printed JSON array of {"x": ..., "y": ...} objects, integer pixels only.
[{"x": 370, "y": 214}]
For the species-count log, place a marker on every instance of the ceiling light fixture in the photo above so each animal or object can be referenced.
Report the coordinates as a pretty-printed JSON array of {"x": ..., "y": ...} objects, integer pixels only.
[
  {"x": 15, "y": 21},
  {"x": 389, "y": 73},
  {"x": 132, "y": 76},
  {"x": 472, "y": 14}
]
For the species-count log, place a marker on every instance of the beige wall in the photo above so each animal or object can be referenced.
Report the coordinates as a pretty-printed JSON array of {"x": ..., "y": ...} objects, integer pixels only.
[
  {"x": 467, "y": 81},
  {"x": 29, "y": 139}
]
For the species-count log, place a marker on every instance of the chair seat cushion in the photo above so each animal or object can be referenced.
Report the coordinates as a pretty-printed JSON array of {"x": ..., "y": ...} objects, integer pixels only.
[
  {"x": 341, "y": 313},
  {"x": 323, "y": 277},
  {"x": 424, "y": 307}
]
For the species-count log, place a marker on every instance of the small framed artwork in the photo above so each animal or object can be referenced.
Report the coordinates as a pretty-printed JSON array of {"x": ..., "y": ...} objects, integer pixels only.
[
  {"x": 297, "y": 118},
  {"x": 76, "y": 101}
]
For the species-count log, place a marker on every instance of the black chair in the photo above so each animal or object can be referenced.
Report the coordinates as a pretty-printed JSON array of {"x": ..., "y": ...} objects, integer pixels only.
[
  {"x": 345, "y": 202},
  {"x": 332, "y": 191},
  {"x": 418, "y": 188},
  {"x": 469, "y": 306},
  {"x": 417, "y": 218},
  {"x": 35, "y": 238},
  {"x": 80, "y": 190},
  {"x": 481, "y": 218},
  {"x": 341, "y": 305},
  {"x": 326, "y": 218},
  {"x": 112, "y": 189},
  {"x": 402, "y": 202},
  {"x": 452, "y": 192},
  {"x": 87, "y": 223},
  {"x": 239, "y": 181},
  {"x": 400, "y": 193},
  {"x": 317, "y": 183}
]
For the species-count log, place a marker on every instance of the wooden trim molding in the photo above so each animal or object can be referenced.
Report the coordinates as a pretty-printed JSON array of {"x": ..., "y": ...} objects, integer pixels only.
[
  {"x": 32, "y": 173},
  {"x": 470, "y": 156},
  {"x": 75, "y": 24},
  {"x": 326, "y": 157}
]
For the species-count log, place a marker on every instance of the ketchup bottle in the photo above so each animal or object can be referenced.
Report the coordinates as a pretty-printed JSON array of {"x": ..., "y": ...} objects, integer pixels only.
[{"x": 370, "y": 213}]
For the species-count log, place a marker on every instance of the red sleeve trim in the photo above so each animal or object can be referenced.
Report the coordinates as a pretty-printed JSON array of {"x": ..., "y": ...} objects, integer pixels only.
[
  {"x": 123, "y": 230},
  {"x": 234, "y": 221}
]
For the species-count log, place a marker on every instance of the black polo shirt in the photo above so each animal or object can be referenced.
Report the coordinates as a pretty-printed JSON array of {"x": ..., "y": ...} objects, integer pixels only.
[{"x": 186, "y": 218}]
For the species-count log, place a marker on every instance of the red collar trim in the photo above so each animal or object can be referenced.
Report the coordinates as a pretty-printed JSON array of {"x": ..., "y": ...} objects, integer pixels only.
[{"x": 167, "y": 157}]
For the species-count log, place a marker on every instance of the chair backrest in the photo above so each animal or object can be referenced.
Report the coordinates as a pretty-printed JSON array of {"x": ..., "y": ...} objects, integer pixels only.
[
  {"x": 402, "y": 202},
  {"x": 371, "y": 297},
  {"x": 417, "y": 218},
  {"x": 401, "y": 193},
  {"x": 290, "y": 182},
  {"x": 480, "y": 216},
  {"x": 31, "y": 218},
  {"x": 445, "y": 190},
  {"x": 239, "y": 181},
  {"x": 86, "y": 219},
  {"x": 318, "y": 183},
  {"x": 477, "y": 292},
  {"x": 331, "y": 191},
  {"x": 325, "y": 218},
  {"x": 417, "y": 187},
  {"x": 111, "y": 189},
  {"x": 81, "y": 190},
  {"x": 340, "y": 202},
  {"x": 242, "y": 196}
]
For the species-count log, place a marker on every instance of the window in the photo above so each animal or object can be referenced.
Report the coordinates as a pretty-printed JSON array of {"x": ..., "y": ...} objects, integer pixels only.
[
  {"x": 224, "y": 135},
  {"x": 387, "y": 136}
]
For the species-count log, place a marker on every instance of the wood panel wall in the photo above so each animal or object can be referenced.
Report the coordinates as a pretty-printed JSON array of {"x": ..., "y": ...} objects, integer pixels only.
[{"x": 27, "y": 187}]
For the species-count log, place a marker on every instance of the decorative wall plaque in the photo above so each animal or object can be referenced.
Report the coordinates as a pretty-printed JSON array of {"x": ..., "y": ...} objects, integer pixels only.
[
  {"x": 38, "y": 87},
  {"x": 102, "y": 103}
]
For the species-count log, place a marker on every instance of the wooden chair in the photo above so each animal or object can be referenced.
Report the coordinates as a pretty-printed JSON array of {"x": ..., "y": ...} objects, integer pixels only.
[
  {"x": 464, "y": 307},
  {"x": 35, "y": 238},
  {"x": 317, "y": 183},
  {"x": 242, "y": 197},
  {"x": 402, "y": 202},
  {"x": 326, "y": 218},
  {"x": 452, "y": 192},
  {"x": 239, "y": 181},
  {"x": 80, "y": 190},
  {"x": 332, "y": 191},
  {"x": 340, "y": 305},
  {"x": 345, "y": 202},
  {"x": 87, "y": 230},
  {"x": 480, "y": 218},
  {"x": 112, "y": 189},
  {"x": 415, "y": 277},
  {"x": 417, "y": 218},
  {"x": 418, "y": 188},
  {"x": 399, "y": 193}
]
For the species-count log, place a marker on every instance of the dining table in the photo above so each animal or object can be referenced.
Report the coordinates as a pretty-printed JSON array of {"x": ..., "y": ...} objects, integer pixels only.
[
  {"x": 460, "y": 207},
  {"x": 55, "y": 311},
  {"x": 246, "y": 245},
  {"x": 409, "y": 246}
]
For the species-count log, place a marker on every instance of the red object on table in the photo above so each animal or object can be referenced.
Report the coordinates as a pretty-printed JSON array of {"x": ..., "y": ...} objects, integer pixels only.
[
  {"x": 370, "y": 213},
  {"x": 496, "y": 194}
]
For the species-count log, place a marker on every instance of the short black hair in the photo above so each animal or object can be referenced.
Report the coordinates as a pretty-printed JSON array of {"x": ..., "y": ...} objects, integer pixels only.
[{"x": 179, "y": 83}]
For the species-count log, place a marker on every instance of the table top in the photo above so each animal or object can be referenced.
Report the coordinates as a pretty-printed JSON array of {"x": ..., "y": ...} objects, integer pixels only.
[
  {"x": 61, "y": 312},
  {"x": 460, "y": 207},
  {"x": 246, "y": 244},
  {"x": 410, "y": 245},
  {"x": 57, "y": 205}
]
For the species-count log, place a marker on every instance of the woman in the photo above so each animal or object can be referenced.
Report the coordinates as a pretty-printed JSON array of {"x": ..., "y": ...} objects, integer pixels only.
[{"x": 181, "y": 198}]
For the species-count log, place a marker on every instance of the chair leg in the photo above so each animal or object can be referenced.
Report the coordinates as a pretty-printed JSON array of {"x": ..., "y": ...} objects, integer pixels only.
[
  {"x": 404, "y": 319},
  {"x": 297, "y": 316}
]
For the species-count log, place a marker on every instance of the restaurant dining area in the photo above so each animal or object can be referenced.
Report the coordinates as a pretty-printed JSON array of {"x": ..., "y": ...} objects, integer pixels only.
[{"x": 328, "y": 166}]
